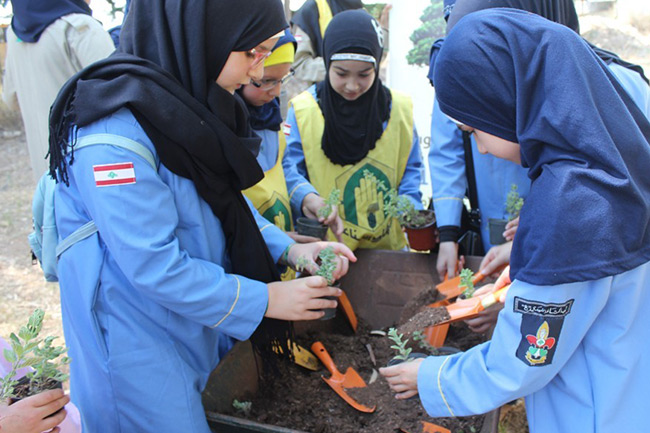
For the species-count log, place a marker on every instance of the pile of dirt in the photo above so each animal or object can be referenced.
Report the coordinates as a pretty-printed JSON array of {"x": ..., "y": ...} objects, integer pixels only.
[{"x": 299, "y": 399}]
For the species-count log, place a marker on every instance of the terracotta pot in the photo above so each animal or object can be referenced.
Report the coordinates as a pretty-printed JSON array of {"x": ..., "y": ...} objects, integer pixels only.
[
  {"x": 497, "y": 227},
  {"x": 423, "y": 238},
  {"x": 309, "y": 227}
]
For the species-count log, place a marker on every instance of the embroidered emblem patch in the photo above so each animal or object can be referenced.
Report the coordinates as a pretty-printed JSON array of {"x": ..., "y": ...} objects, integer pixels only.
[
  {"x": 540, "y": 330},
  {"x": 286, "y": 129},
  {"x": 121, "y": 173},
  {"x": 298, "y": 38}
]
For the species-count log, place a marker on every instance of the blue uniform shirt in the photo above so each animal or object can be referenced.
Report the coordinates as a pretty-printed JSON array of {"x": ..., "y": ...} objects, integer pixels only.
[
  {"x": 588, "y": 374},
  {"x": 149, "y": 306}
]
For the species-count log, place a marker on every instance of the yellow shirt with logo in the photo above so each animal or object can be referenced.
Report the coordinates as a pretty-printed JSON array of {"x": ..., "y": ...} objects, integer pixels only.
[{"x": 366, "y": 224}]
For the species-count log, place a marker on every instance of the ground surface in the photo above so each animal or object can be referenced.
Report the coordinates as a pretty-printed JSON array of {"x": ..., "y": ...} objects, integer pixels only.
[{"x": 22, "y": 287}]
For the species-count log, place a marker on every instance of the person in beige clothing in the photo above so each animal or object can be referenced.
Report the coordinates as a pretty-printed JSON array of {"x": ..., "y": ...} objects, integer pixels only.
[{"x": 48, "y": 42}]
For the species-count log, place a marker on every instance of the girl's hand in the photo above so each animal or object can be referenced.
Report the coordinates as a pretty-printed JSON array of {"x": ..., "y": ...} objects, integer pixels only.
[
  {"x": 312, "y": 203},
  {"x": 296, "y": 299},
  {"x": 496, "y": 259},
  {"x": 310, "y": 251},
  {"x": 403, "y": 378},
  {"x": 511, "y": 229},
  {"x": 34, "y": 414},
  {"x": 447, "y": 263}
]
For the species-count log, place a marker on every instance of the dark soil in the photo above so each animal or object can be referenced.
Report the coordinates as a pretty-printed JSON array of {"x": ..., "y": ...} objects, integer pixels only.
[
  {"x": 424, "y": 319},
  {"x": 299, "y": 399},
  {"x": 21, "y": 390}
]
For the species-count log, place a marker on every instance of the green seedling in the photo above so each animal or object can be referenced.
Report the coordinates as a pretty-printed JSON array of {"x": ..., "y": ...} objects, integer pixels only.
[
  {"x": 403, "y": 352},
  {"x": 27, "y": 350},
  {"x": 514, "y": 203},
  {"x": 331, "y": 202},
  {"x": 327, "y": 266},
  {"x": 466, "y": 280},
  {"x": 419, "y": 337},
  {"x": 242, "y": 406}
]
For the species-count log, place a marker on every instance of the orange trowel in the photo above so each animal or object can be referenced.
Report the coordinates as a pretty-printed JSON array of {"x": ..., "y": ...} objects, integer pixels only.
[
  {"x": 428, "y": 427},
  {"x": 450, "y": 288},
  {"x": 345, "y": 304},
  {"x": 339, "y": 382},
  {"x": 464, "y": 309}
]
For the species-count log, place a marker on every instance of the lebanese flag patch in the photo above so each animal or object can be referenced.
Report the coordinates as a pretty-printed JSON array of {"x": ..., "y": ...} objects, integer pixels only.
[
  {"x": 121, "y": 173},
  {"x": 298, "y": 38},
  {"x": 286, "y": 128}
]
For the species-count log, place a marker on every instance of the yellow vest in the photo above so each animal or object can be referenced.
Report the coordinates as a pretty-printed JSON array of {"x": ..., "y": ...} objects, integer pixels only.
[
  {"x": 366, "y": 224},
  {"x": 324, "y": 15},
  {"x": 271, "y": 198}
]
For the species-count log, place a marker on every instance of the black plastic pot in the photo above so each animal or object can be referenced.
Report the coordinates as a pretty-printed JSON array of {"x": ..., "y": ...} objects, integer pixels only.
[
  {"x": 330, "y": 313},
  {"x": 497, "y": 227},
  {"x": 412, "y": 355},
  {"x": 309, "y": 227}
]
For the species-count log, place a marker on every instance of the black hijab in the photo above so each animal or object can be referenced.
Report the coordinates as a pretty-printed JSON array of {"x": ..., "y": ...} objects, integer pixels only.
[
  {"x": 165, "y": 72},
  {"x": 307, "y": 19},
  {"x": 32, "y": 17},
  {"x": 352, "y": 128},
  {"x": 559, "y": 11}
]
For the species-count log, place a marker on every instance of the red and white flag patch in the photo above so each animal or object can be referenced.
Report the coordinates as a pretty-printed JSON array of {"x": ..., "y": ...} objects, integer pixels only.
[
  {"x": 286, "y": 128},
  {"x": 298, "y": 38},
  {"x": 121, "y": 173}
]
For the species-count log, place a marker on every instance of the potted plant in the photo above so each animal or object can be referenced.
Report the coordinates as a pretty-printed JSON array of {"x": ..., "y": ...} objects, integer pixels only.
[
  {"x": 467, "y": 281},
  {"x": 326, "y": 268},
  {"x": 27, "y": 350},
  {"x": 310, "y": 227},
  {"x": 420, "y": 225},
  {"x": 513, "y": 206}
]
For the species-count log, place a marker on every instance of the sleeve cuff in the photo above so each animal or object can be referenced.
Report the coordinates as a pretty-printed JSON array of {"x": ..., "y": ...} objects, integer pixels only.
[{"x": 449, "y": 233}]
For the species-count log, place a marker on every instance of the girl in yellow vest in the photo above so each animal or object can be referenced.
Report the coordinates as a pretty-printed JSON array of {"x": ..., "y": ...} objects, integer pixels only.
[
  {"x": 270, "y": 196},
  {"x": 345, "y": 125}
]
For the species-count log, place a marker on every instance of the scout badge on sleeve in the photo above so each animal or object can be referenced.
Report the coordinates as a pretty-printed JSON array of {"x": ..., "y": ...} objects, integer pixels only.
[{"x": 541, "y": 324}]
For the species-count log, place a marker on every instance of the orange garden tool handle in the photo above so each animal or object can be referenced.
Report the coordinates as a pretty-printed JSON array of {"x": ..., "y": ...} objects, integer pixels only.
[
  {"x": 478, "y": 277},
  {"x": 325, "y": 358},
  {"x": 492, "y": 298}
]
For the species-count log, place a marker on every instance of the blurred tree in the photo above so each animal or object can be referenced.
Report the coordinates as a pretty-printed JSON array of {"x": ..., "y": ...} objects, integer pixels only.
[
  {"x": 432, "y": 28},
  {"x": 115, "y": 8}
]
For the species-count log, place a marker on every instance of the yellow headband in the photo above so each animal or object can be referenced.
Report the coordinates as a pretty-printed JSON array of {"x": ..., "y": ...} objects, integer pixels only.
[{"x": 283, "y": 54}]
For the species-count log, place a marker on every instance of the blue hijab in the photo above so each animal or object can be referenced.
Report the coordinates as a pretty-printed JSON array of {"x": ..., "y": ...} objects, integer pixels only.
[
  {"x": 269, "y": 116},
  {"x": 586, "y": 145},
  {"x": 32, "y": 17}
]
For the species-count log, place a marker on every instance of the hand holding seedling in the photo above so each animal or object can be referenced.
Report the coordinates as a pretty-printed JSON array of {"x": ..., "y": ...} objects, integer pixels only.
[
  {"x": 313, "y": 203},
  {"x": 342, "y": 256},
  {"x": 300, "y": 299},
  {"x": 511, "y": 229},
  {"x": 403, "y": 378},
  {"x": 34, "y": 414}
]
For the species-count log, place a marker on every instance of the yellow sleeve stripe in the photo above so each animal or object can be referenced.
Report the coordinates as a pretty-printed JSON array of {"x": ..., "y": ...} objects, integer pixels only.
[
  {"x": 266, "y": 227},
  {"x": 447, "y": 198},
  {"x": 233, "y": 304},
  {"x": 293, "y": 191},
  {"x": 440, "y": 387}
]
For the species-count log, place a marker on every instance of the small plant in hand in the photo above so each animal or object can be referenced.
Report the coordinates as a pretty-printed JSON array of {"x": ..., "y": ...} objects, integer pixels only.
[
  {"x": 466, "y": 280},
  {"x": 27, "y": 350},
  {"x": 327, "y": 264},
  {"x": 419, "y": 337},
  {"x": 331, "y": 202},
  {"x": 514, "y": 203},
  {"x": 242, "y": 406},
  {"x": 403, "y": 352}
]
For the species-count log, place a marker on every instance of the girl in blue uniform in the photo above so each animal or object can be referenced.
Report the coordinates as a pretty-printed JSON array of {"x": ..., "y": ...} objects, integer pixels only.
[
  {"x": 568, "y": 337},
  {"x": 346, "y": 125},
  {"x": 152, "y": 146},
  {"x": 493, "y": 176}
]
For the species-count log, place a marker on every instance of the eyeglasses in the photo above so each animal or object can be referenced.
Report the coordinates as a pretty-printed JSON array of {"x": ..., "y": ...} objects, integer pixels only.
[
  {"x": 270, "y": 84},
  {"x": 258, "y": 56}
]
